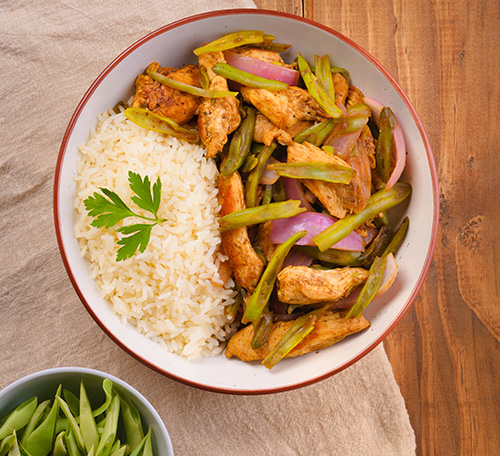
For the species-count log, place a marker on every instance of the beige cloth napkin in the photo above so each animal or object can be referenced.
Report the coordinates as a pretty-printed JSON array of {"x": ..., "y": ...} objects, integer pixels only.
[{"x": 51, "y": 51}]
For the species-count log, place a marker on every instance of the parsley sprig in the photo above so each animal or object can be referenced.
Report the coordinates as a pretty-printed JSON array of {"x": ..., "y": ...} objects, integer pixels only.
[{"x": 109, "y": 212}]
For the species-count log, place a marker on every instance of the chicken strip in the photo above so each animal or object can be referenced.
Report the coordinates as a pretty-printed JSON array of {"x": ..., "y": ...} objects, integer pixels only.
[
  {"x": 284, "y": 108},
  {"x": 341, "y": 88},
  {"x": 326, "y": 192},
  {"x": 304, "y": 285},
  {"x": 245, "y": 262},
  {"x": 329, "y": 329},
  {"x": 265, "y": 55},
  {"x": 217, "y": 117},
  {"x": 354, "y": 96},
  {"x": 266, "y": 132},
  {"x": 263, "y": 240},
  {"x": 165, "y": 101}
]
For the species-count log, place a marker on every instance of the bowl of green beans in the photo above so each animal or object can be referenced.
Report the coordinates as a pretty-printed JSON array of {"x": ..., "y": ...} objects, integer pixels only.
[{"x": 79, "y": 411}]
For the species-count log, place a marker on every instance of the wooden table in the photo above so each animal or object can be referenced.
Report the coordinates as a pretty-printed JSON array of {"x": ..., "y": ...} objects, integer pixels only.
[{"x": 445, "y": 352}]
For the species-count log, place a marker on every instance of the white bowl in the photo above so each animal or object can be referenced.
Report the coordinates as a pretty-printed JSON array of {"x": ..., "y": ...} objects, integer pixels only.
[
  {"x": 172, "y": 45},
  {"x": 45, "y": 383}
]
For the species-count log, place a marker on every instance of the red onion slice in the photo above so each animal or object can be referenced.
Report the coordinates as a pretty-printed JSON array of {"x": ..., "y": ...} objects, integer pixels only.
[
  {"x": 314, "y": 223},
  {"x": 297, "y": 258},
  {"x": 269, "y": 177},
  {"x": 293, "y": 191},
  {"x": 399, "y": 143},
  {"x": 263, "y": 69}
]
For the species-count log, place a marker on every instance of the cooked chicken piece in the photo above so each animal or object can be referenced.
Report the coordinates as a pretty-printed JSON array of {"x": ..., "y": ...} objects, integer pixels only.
[
  {"x": 263, "y": 240},
  {"x": 262, "y": 54},
  {"x": 326, "y": 192},
  {"x": 354, "y": 96},
  {"x": 354, "y": 195},
  {"x": 246, "y": 264},
  {"x": 284, "y": 108},
  {"x": 266, "y": 132},
  {"x": 304, "y": 285},
  {"x": 330, "y": 328},
  {"x": 163, "y": 100},
  {"x": 341, "y": 88},
  {"x": 217, "y": 117}
]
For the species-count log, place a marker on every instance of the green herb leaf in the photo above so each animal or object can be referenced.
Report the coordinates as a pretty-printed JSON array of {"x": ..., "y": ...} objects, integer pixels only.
[
  {"x": 144, "y": 199},
  {"x": 139, "y": 238}
]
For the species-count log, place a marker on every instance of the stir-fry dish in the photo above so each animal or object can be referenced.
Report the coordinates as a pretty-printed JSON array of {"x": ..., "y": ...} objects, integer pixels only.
[{"x": 309, "y": 168}]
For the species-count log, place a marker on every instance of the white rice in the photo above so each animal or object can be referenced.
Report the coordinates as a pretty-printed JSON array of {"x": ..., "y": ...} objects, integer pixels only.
[{"x": 172, "y": 292}]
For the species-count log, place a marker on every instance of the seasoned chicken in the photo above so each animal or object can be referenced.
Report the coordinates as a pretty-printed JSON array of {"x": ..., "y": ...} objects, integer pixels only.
[
  {"x": 163, "y": 100},
  {"x": 354, "y": 96},
  {"x": 266, "y": 132},
  {"x": 263, "y": 240},
  {"x": 246, "y": 264},
  {"x": 304, "y": 285},
  {"x": 217, "y": 117},
  {"x": 326, "y": 192},
  {"x": 284, "y": 108},
  {"x": 341, "y": 88},
  {"x": 329, "y": 329},
  {"x": 261, "y": 54}
]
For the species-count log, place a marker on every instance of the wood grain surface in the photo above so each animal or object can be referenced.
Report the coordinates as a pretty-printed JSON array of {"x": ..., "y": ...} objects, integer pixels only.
[{"x": 445, "y": 352}]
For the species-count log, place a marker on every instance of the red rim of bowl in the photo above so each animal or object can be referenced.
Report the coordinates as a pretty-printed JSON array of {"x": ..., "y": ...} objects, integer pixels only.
[{"x": 359, "y": 49}]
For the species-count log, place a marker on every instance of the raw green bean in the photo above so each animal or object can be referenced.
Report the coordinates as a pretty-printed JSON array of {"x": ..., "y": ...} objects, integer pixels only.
[
  {"x": 295, "y": 334},
  {"x": 385, "y": 143},
  {"x": 398, "y": 238},
  {"x": 381, "y": 201},
  {"x": 247, "y": 79},
  {"x": 331, "y": 256},
  {"x": 317, "y": 133},
  {"x": 7, "y": 443},
  {"x": 138, "y": 450},
  {"x": 87, "y": 423},
  {"x": 259, "y": 299},
  {"x": 59, "y": 446},
  {"x": 316, "y": 90},
  {"x": 120, "y": 452},
  {"x": 240, "y": 145},
  {"x": 376, "y": 247},
  {"x": 19, "y": 417},
  {"x": 268, "y": 195},
  {"x": 231, "y": 41},
  {"x": 107, "y": 387},
  {"x": 72, "y": 401},
  {"x": 193, "y": 90},
  {"x": 328, "y": 172},
  {"x": 369, "y": 289},
  {"x": 152, "y": 121},
  {"x": 14, "y": 449},
  {"x": 73, "y": 428},
  {"x": 34, "y": 421},
  {"x": 131, "y": 422},
  {"x": 262, "y": 330},
  {"x": 323, "y": 72},
  {"x": 109, "y": 432},
  {"x": 252, "y": 183},
  {"x": 148, "y": 446},
  {"x": 260, "y": 214},
  {"x": 71, "y": 443}
]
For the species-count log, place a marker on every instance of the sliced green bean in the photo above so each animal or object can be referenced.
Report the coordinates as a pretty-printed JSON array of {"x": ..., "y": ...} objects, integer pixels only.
[
  {"x": 268, "y": 195},
  {"x": 328, "y": 172},
  {"x": 152, "y": 121},
  {"x": 7, "y": 443},
  {"x": 72, "y": 401},
  {"x": 262, "y": 330},
  {"x": 109, "y": 432},
  {"x": 297, "y": 332},
  {"x": 107, "y": 387},
  {"x": 240, "y": 145},
  {"x": 331, "y": 256},
  {"x": 72, "y": 446},
  {"x": 148, "y": 445},
  {"x": 132, "y": 422},
  {"x": 323, "y": 72},
  {"x": 60, "y": 446},
  {"x": 385, "y": 143},
  {"x": 19, "y": 417},
  {"x": 120, "y": 451},
  {"x": 14, "y": 449},
  {"x": 87, "y": 423},
  {"x": 138, "y": 450},
  {"x": 316, "y": 90},
  {"x": 360, "y": 109},
  {"x": 349, "y": 124},
  {"x": 247, "y": 79},
  {"x": 193, "y": 90},
  {"x": 381, "y": 201},
  {"x": 73, "y": 428},
  {"x": 259, "y": 299},
  {"x": 231, "y": 41},
  {"x": 34, "y": 421},
  {"x": 253, "y": 180},
  {"x": 398, "y": 238},
  {"x": 260, "y": 214},
  {"x": 317, "y": 133},
  {"x": 369, "y": 289},
  {"x": 376, "y": 247}
]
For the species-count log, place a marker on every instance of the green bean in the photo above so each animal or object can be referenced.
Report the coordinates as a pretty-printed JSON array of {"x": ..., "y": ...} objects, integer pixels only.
[
  {"x": 316, "y": 90},
  {"x": 71, "y": 443},
  {"x": 59, "y": 446},
  {"x": 279, "y": 193},
  {"x": 381, "y": 201},
  {"x": 331, "y": 256},
  {"x": 323, "y": 72},
  {"x": 398, "y": 238},
  {"x": 138, "y": 450},
  {"x": 7, "y": 443},
  {"x": 328, "y": 172},
  {"x": 131, "y": 422},
  {"x": 152, "y": 121},
  {"x": 73, "y": 427},
  {"x": 107, "y": 387},
  {"x": 233, "y": 309},
  {"x": 19, "y": 417},
  {"x": 87, "y": 423},
  {"x": 240, "y": 145},
  {"x": 349, "y": 124},
  {"x": 297, "y": 332},
  {"x": 360, "y": 109},
  {"x": 317, "y": 133},
  {"x": 276, "y": 47},
  {"x": 385, "y": 143},
  {"x": 109, "y": 432},
  {"x": 260, "y": 297},
  {"x": 231, "y": 41},
  {"x": 376, "y": 247},
  {"x": 41, "y": 440},
  {"x": 382, "y": 219},
  {"x": 369, "y": 289},
  {"x": 193, "y": 90},
  {"x": 262, "y": 330},
  {"x": 252, "y": 183},
  {"x": 247, "y": 79},
  {"x": 148, "y": 446},
  {"x": 249, "y": 163},
  {"x": 260, "y": 214},
  {"x": 72, "y": 401},
  {"x": 34, "y": 421},
  {"x": 120, "y": 451},
  {"x": 268, "y": 195}
]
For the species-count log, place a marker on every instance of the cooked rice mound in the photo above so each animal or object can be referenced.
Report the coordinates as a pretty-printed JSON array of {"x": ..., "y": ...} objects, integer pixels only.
[{"x": 172, "y": 292}]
